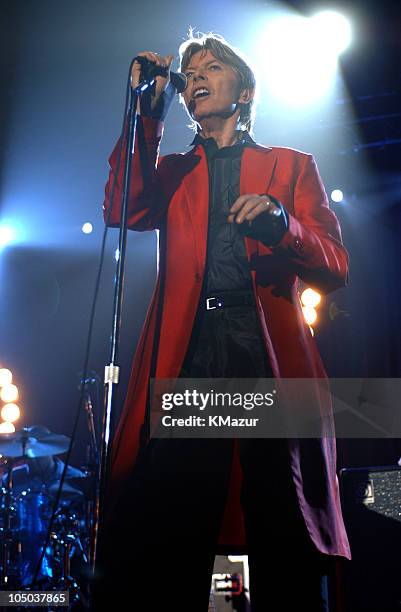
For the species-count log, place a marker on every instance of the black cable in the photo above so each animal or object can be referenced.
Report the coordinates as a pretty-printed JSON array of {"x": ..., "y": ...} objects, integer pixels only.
[{"x": 89, "y": 338}]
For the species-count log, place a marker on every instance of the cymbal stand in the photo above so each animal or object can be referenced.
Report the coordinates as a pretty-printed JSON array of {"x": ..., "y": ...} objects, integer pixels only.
[{"x": 93, "y": 471}]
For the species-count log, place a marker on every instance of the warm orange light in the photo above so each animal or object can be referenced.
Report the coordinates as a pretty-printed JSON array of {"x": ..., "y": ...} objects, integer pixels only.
[
  {"x": 6, "y": 377},
  {"x": 10, "y": 412},
  {"x": 310, "y": 298},
  {"x": 6, "y": 427},
  {"x": 310, "y": 314},
  {"x": 9, "y": 393}
]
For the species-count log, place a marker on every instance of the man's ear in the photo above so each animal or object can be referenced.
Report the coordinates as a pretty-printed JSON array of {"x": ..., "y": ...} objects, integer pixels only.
[{"x": 246, "y": 96}]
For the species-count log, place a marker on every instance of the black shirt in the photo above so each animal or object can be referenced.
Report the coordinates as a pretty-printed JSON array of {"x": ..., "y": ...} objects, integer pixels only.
[{"x": 227, "y": 267}]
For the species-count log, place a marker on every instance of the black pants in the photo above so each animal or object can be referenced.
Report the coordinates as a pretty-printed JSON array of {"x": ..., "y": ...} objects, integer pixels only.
[{"x": 158, "y": 548}]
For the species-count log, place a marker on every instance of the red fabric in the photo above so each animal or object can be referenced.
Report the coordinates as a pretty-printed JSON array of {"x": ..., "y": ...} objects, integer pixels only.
[{"x": 171, "y": 194}]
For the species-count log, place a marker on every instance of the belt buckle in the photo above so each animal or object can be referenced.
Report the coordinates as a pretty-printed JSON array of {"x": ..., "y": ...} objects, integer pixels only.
[{"x": 208, "y": 301}]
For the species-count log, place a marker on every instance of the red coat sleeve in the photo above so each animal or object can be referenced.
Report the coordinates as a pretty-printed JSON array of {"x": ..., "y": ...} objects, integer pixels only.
[
  {"x": 147, "y": 203},
  {"x": 313, "y": 240}
]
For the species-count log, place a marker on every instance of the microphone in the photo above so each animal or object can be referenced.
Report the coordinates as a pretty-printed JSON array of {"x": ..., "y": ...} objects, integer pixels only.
[{"x": 150, "y": 70}]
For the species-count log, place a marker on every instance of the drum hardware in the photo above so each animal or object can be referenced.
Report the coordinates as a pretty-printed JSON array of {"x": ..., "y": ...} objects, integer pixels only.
[
  {"x": 24, "y": 520},
  {"x": 8, "y": 510},
  {"x": 63, "y": 547},
  {"x": 23, "y": 539}
]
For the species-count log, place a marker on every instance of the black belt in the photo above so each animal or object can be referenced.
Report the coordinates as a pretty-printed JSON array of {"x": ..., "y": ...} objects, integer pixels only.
[{"x": 229, "y": 299}]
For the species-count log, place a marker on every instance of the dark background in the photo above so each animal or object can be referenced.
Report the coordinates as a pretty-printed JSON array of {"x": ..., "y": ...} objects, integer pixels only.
[{"x": 63, "y": 74}]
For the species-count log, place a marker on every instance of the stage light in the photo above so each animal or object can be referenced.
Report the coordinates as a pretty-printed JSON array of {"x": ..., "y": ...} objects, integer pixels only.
[
  {"x": 10, "y": 412},
  {"x": 337, "y": 195},
  {"x": 117, "y": 254},
  {"x": 7, "y": 235},
  {"x": 9, "y": 393},
  {"x": 6, "y": 427},
  {"x": 310, "y": 314},
  {"x": 300, "y": 55},
  {"x": 6, "y": 377},
  {"x": 333, "y": 30},
  {"x": 297, "y": 73},
  {"x": 87, "y": 228},
  {"x": 310, "y": 298}
]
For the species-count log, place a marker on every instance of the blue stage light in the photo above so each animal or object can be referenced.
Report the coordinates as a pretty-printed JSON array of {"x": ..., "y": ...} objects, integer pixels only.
[
  {"x": 7, "y": 235},
  {"x": 337, "y": 195},
  {"x": 87, "y": 228}
]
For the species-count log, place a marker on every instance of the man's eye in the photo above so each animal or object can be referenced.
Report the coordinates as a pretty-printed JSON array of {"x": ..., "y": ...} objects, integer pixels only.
[
  {"x": 188, "y": 74},
  {"x": 213, "y": 66}
]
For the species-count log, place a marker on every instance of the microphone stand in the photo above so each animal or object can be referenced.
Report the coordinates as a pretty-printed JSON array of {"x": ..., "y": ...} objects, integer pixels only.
[{"x": 112, "y": 370}]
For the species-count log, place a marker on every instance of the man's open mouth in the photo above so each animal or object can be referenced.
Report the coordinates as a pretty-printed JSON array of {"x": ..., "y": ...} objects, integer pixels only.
[{"x": 200, "y": 93}]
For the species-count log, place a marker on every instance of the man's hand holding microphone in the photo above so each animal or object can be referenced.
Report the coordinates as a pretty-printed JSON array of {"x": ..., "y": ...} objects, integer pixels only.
[{"x": 148, "y": 64}]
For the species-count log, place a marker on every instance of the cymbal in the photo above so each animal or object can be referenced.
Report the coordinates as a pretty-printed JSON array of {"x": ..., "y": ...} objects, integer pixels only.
[{"x": 22, "y": 444}]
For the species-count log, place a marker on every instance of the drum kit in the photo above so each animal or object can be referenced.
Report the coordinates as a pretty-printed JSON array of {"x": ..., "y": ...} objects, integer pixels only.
[{"x": 27, "y": 508}]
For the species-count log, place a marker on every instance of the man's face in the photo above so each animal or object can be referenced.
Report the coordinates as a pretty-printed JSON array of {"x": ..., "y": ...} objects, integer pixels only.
[
  {"x": 212, "y": 87},
  {"x": 40, "y": 465}
]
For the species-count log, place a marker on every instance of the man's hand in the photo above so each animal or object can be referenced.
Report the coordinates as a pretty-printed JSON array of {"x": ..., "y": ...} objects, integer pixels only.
[
  {"x": 248, "y": 207},
  {"x": 161, "y": 82}
]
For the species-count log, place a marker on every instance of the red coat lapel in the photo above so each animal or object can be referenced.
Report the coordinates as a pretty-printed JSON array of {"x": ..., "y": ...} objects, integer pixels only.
[
  {"x": 257, "y": 172},
  {"x": 196, "y": 186},
  {"x": 257, "y": 169}
]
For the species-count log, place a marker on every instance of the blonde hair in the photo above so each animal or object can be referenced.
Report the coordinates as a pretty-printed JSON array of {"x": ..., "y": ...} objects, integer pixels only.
[{"x": 228, "y": 55}]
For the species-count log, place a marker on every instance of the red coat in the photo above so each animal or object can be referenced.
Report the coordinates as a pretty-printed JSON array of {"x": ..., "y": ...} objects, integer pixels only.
[{"x": 310, "y": 250}]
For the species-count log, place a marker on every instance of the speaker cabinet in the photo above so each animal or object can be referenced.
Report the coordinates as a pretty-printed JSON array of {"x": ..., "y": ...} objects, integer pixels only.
[{"x": 371, "y": 501}]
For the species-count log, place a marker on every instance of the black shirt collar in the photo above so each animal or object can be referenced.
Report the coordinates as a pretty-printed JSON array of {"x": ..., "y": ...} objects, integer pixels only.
[
  {"x": 211, "y": 148},
  {"x": 244, "y": 138}
]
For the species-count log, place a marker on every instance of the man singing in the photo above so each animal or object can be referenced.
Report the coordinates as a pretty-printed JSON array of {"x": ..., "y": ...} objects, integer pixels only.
[{"x": 239, "y": 223}]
